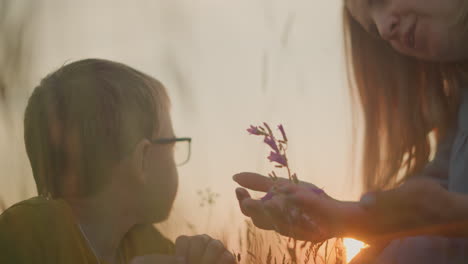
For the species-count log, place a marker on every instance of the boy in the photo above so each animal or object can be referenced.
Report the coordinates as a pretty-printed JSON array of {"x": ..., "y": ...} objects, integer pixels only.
[{"x": 100, "y": 141}]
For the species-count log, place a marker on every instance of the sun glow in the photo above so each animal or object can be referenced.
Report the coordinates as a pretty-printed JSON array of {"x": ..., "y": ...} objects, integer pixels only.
[{"x": 352, "y": 248}]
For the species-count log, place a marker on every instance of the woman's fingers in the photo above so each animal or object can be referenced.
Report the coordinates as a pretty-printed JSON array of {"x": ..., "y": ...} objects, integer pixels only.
[
  {"x": 274, "y": 213},
  {"x": 242, "y": 195},
  {"x": 255, "y": 181},
  {"x": 289, "y": 188},
  {"x": 254, "y": 209},
  {"x": 291, "y": 221},
  {"x": 306, "y": 200}
]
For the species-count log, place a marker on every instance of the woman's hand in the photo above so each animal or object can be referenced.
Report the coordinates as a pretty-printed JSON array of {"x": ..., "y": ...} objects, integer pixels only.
[
  {"x": 420, "y": 206},
  {"x": 203, "y": 249},
  {"x": 322, "y": 217}
]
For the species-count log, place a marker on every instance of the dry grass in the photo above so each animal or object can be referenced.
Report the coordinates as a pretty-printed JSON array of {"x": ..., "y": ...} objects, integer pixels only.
[
  {"x": 2, "y": 206},
  {"x": 16, "y": 35},
  {"x": 266, "y": 247}
]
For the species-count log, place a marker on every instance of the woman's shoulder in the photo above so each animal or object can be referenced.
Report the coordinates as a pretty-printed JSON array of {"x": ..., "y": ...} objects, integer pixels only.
[{"x": 463, "y": 111}]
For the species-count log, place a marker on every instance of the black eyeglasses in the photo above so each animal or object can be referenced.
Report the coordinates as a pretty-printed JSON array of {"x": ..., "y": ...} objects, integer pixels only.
[{"x": 182, "y": 148}]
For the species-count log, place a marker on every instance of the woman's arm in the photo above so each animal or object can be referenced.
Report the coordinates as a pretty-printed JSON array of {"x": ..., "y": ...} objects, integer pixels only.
[
  {"x": 438, "y": 168},
  {"x": 418, "y": 207}
]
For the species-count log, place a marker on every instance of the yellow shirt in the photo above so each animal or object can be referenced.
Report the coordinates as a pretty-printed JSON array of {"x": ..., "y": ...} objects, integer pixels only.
[{"x": 44, "y": 231}]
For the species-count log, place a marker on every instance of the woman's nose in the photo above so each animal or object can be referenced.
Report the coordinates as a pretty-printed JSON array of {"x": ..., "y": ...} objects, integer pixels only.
[{"x": 388, "y": 27}]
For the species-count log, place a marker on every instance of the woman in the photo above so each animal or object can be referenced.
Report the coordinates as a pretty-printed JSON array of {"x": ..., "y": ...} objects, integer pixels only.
[{"x": 407, "y": 66}]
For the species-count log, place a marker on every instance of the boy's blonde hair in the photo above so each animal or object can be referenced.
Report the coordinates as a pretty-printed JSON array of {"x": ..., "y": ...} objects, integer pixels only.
[{"x": 88, "y": 115}]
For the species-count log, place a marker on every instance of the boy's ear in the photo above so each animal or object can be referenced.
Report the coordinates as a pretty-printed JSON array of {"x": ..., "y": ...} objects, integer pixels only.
[{"x": 140, "y": 159}]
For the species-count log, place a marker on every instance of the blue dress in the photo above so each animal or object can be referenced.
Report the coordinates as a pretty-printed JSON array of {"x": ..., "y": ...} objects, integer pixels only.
[{"x": 450, "y": 168}]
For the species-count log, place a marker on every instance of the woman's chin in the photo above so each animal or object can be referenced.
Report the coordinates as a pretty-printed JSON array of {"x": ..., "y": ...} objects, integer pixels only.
[{"x": 442, "y": 51}]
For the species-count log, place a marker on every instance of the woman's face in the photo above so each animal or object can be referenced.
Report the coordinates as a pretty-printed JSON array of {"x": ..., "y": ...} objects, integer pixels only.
[{"x": 425, "y": 29}]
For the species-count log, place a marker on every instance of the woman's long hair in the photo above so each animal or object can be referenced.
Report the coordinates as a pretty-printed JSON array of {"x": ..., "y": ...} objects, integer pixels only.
[{"x": 406, "y": 104}]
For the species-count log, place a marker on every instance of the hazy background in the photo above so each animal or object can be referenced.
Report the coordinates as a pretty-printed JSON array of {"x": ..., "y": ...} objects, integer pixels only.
[{"x": 226, "y": 64}]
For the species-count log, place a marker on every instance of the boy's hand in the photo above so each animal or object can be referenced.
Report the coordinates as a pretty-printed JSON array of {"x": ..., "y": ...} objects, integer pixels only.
[{"x": 203, "y": 249}]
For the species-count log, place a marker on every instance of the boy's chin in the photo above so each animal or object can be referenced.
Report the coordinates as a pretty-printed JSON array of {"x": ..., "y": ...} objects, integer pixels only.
[
  {"x": 157, "y": 217},
  {"x": 160, "y": 219}
]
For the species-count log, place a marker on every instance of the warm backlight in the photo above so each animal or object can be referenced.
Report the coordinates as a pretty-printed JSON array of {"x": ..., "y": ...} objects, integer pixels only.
[{"x": 352, "y": 248}]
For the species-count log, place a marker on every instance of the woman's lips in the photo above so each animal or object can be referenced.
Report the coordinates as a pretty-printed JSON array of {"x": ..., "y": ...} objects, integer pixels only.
[{"x": 409, "y": 38}]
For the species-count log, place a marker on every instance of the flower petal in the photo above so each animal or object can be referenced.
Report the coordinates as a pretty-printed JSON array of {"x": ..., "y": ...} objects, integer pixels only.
[
  {"x": 272, "y": 143},
  {"x": 267, "y": 197},
  {"x": 283, "y": 133},
  {"x": 278, "y": 158},
  {"x": 253, "y": 130}
]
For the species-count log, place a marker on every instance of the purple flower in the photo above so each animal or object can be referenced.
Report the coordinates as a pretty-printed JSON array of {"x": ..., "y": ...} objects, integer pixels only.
[
  {"x": 278, "y": 158},
  {"x": 267, "y": 197},
  {"x": 272, "y": 143},
  {"x": 317, "y": 190},
  {"x": 268, "y": 128},
  {"x": 281, "y": 128},
  {"x": 253, "y": 130}
]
